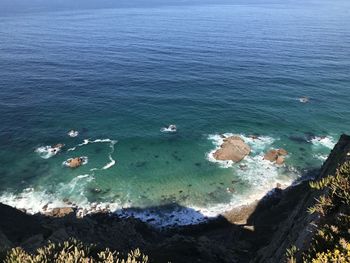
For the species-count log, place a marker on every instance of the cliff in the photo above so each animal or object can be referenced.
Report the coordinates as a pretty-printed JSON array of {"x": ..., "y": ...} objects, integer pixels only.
[{"x": 261, "y": 232}]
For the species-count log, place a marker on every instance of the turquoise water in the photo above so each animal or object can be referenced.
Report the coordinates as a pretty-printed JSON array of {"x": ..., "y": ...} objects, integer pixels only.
[{"x": 122, "y": 74}]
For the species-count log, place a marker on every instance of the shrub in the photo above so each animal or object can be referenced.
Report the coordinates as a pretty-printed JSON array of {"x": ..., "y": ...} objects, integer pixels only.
[
  {"x": 72, "y": 251},
  {"x": 331, "y": 239}
]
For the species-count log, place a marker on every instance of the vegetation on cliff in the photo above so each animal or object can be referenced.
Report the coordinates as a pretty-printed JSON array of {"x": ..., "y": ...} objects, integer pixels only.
[
  {"x": 331, "y": 242},
  {"x": 72, "y": 251}
]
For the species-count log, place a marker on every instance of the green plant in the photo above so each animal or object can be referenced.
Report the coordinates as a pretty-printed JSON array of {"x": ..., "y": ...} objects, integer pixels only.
[
  {"x": 330, "y": 242},
  {"x": 290, "y": 254},
  {"x": 72, "y": 251}
]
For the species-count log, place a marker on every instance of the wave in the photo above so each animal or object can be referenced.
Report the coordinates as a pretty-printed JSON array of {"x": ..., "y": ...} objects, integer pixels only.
[
  {"x": 41, "y": 201},
  {"x": 72, "y": 149},
  {"x": 260, "y": 175},
  {"x": 47, "y": 152},
  {"x": 324, "y": 141},
  {"x": 112, "y": 161},
  {"x": 321, "y": 157},
  {"x": 112, "y": 143},
  {"x": 37, "y": 200},
  {"x": 73, "y": 133},
  {"x": 170, "y": 128}
]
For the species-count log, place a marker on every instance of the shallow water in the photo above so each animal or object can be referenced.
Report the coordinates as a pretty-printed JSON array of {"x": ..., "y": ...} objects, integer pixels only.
[{"x": 119, "y": 75}]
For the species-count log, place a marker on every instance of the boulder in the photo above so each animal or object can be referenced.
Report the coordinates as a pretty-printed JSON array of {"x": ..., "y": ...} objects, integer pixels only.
[
  {"x": 234, "y": 148},
  {"x": 276, "y": 156},
  {"x": 75, "y": 162},
  {"x": 271, "y": 155},
  {"x": 280, "y": 160}
]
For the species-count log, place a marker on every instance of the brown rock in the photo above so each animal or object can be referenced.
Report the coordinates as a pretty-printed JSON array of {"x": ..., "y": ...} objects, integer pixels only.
[
  {"x": 271, "y": 155},
  {"x": 234, "y": 148},
  {"x": 280, "y": 160},
  {"x": 60, "y": 211},
  {"x": 282, "y": 151},
  {"x": 75, "y": 162}
]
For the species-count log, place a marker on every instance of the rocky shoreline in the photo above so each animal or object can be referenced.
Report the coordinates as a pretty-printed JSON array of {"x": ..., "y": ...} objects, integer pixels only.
[{"x": 259, "y": 232}]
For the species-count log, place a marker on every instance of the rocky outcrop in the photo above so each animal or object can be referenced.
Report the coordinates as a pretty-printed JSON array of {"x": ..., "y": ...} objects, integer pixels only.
[
  {"x": 75, "y": 162},
  {"x": 233, "y": 149},
  {"x": 60, "y": 211},
  {"x": 276, "y": 156}
]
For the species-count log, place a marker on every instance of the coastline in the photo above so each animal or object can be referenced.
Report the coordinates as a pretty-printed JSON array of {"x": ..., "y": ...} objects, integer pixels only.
[
  {"x": 173, "y": 214},
  {"x": 260, "y": 231}
]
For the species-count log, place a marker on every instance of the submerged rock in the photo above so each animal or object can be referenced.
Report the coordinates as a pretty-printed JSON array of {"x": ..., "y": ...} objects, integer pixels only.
[{"x": 234, "y": 148}]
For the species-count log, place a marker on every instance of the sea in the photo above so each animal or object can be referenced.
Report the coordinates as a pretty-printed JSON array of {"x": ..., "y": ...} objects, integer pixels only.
[{"x": 276, "y": 73}]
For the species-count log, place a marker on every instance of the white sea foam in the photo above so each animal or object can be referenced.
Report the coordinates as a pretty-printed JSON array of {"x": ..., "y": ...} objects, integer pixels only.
[
  {"x": 304, "y": 99},
  {"x": 41, "y": 201},
  {"x": 170, "y": 128},
  {"x": 72, "y": 149},
  {"x": 73, "y": 133},
  {"x": 87, "y": 141},
  {"x": 47, "y": 152},
  {"x": 257, "y": 144},
  {"x": 259, "y": 175},
  {"x": 109, "y": 165},
  {"x": 34, "y": 200},
  {"x": 111, "y": 145},
  {"x": 326, "y": 141},
  {"x": 189, "y": 214},
  {"x": 112, "y": 161},
  {"x": 321, "y": 157}
]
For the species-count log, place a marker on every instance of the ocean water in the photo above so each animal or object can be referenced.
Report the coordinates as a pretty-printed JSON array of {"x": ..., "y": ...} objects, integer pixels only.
[{"x": 119, "y": 75}]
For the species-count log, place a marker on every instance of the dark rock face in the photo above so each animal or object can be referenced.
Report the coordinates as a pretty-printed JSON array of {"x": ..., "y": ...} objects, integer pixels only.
[
  {"x": 17, "y": 225},
  {"x": 297, "y": 229}
]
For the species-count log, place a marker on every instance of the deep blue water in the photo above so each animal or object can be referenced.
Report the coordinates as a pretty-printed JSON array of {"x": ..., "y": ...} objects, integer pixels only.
[{"x": 123, "y": 73}]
